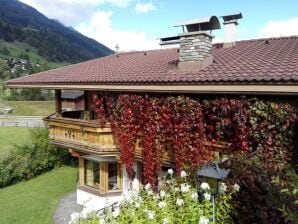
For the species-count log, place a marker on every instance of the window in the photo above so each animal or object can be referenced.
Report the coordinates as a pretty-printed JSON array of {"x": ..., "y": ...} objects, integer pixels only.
[
  {"x": 104, "y": 176},
  {"x": 92, "y": 174},
  {"x": 113, "y": 176}
]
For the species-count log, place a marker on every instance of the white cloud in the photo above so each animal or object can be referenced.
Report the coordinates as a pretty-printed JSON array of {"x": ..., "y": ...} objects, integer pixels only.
[
  {"x": 82, "y": 15},
  {"x": 145, "y": 7},
  {"x": 118, "y": 3},
  {"x": 71, "y": 12},
  {"x": 100, "y": 28},
  {"x": 280, "y": 28}
]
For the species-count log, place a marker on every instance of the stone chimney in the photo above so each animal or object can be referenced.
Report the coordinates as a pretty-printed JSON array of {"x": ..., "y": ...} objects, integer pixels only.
[
  {"x": 230, "y": 23},
  {"x": 195, "y": 50}
]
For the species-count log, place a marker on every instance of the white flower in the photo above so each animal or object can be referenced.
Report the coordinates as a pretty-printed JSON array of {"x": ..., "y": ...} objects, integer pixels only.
[
  {"x": 162, "y": 194},
  {"x": 147, "y": 186},
  {"x": 207, "y": 196},
  {"x": 137, "y": 204},
  {"x": 162, "y": 204},
  {"x": 102, "y": 221},
  {"x": 129, "y": 200},
  {"x": 223, "y": 187},
  {"x": 116, "y": 213},
  {"x": 183, "y": 173},
  {"x": 194, "y": 196},
  {"x": 151, "y": 214},
  {"x": 156, "y": 197},
  {"x": 203, "y": 220},
  {"x": 74, "y": 217},
  {"x": 236, "y": 187},
  {"x": 176, "y": 189},
  {"x": 165, "y": 221},
  {"x": 179, "y": 202},
  {"x": 184, "y": 188},
  {"x": 149, "y": 192},
  {"x": 170, "y": 171},
  {"x": 205, "y": 186}
]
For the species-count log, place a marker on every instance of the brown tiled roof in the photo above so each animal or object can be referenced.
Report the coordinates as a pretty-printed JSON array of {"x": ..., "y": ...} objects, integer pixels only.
[{"x": 273, "y": 60}]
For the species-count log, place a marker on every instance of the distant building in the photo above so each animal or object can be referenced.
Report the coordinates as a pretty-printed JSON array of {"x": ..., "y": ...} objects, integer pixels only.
[
  {"x": 7, "y": 110},
  {"x": 72, "y": 100}
]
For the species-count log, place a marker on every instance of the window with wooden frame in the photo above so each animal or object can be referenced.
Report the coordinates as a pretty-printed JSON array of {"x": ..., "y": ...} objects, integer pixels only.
[
  {"x": 92, "y": 174},
  {"x": 105, "y": 176}
]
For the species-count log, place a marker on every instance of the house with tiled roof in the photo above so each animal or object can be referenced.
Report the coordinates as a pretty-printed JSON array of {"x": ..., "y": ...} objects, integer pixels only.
[{"x": 189, "y": 65}]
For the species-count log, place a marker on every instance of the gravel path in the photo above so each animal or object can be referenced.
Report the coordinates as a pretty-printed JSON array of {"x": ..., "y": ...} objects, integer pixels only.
[{"x": 67, "y": 205}]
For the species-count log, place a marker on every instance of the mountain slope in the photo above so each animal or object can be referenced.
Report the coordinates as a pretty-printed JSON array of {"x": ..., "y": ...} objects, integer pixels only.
[{"x": 54, "y": 41}]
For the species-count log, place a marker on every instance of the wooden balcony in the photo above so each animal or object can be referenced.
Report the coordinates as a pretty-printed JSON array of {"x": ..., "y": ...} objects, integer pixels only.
[
  {"x": 82, "y": 135},
  {"x": 87, "y": 136}
]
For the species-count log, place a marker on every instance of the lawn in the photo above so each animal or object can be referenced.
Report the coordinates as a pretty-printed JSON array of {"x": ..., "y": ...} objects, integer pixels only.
[
  {"x": 30, "y": 108},
  {"x": 11, "y": 136},
  {"x": 36, "y": 200}
]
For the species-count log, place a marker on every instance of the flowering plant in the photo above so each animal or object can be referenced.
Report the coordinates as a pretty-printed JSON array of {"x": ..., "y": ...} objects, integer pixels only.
[{"x": 177, "y": 201}]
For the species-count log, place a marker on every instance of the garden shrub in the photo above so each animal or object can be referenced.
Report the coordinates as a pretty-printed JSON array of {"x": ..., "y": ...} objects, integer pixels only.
[
  {"x": 177, "y": 201},
  {"x": 260, "y": 199},
  {"x": 27, "y": 161},
  {"x": 287, "y": 181}
]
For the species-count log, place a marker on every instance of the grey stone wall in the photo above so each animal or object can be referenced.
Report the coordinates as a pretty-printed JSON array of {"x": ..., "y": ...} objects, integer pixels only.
[{"x": 196, "y": 46}]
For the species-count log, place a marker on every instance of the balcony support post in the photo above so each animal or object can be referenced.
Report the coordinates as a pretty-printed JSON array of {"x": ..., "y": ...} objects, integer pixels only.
[
  {"x": 86, "y": 100},
  {"x": 86, "y": 105},
  {"x": 58, "y": 102}
]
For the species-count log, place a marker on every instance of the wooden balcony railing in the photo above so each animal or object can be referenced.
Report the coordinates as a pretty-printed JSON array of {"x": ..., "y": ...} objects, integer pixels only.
[
  {"x": 82, "y": 135},
  {"x": 87, "y": 136}
]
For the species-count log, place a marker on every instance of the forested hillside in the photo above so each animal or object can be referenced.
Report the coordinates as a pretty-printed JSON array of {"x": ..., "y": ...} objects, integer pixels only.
[{"x": 53, "y": 41}]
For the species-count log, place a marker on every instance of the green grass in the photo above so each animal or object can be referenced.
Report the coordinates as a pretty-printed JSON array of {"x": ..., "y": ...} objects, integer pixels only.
[
  {"x": 30, "y": 108},
  {"x": 16, "y": 48},
  {"x": 11, "y": 136},
  {"x": 35, "y": 201}
]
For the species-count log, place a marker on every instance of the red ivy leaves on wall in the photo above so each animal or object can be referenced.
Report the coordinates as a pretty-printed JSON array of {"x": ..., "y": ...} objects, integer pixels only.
[
  {"x": 226, "y": 120},
  {"x": 185, "y": 123},
  {"x": 97, "y": 102},
  {"x": 271, "y": 131}
]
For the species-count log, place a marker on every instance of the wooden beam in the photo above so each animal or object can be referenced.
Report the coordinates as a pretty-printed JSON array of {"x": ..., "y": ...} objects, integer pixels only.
[
  {"x": 86, "y": 101},
  {"x": 58, "y": 102},
  {"x": 81, "y": 171},
  {"x": 86, "y": 105},
  {"x": 103, "y": 177},
  {"x": 75, "y": 153},
  {"x": 119, "y": 177},
  {"x": 255, "y": 89}
]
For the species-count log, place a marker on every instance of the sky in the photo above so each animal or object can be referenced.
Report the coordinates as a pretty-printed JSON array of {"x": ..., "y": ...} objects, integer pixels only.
[{"x": 137, "y": 24}]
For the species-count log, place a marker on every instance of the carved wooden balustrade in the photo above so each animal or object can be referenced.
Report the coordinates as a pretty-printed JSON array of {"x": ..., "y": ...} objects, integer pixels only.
[
  {"x": 87, "y": 136},
  {"x": 82, "y": 135}
]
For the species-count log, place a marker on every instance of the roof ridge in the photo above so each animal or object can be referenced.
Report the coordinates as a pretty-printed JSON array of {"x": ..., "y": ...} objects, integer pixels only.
[
  {"x": 269, "y": 38},
  {"x": 150, "y": 50},
  {"x": 261, "y": 39}
]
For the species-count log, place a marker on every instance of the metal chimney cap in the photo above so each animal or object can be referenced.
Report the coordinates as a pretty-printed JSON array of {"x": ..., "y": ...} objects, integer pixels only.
[
  {"x": 200, "y": 24},
  {"x": 232, "y": 17}
]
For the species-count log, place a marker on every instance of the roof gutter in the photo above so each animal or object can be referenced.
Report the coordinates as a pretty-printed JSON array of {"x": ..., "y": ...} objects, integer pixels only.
[{"x": 210, "y": 89}]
